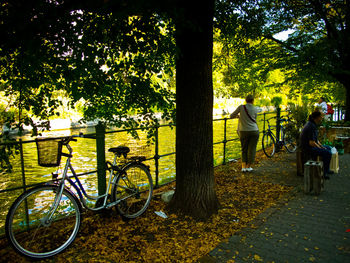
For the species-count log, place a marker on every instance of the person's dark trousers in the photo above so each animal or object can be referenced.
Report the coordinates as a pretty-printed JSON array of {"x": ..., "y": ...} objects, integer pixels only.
[
  {"x": 249, "y": 140},
  {"x": 326, "y": 155}
]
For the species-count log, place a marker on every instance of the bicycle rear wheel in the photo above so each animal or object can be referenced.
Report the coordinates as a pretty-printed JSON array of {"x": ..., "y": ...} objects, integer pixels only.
[
  {"x": 289, "y": 141},
  {"x": 29, "y": 230},
  {"x": 134, "y": 189},
  {"x": 268, "y": 145}
]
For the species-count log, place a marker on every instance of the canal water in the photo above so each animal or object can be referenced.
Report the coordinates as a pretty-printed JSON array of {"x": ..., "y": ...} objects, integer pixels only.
[{"x": 84, "y": 158}]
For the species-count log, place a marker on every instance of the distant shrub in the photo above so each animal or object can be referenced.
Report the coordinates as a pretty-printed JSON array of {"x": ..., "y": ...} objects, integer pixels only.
[
  {"x": 276, "y": 101},
  {"x": 263, "y": 102}
]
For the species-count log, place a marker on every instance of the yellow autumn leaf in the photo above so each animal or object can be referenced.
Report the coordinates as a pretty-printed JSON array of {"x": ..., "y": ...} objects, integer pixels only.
[
  {"x": 149, "y": 238},
  {"x": 257, "y": 258}
]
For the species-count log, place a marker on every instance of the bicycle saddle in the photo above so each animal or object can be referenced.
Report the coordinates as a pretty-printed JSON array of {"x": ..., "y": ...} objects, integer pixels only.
[{"x": 120, "y": 150}]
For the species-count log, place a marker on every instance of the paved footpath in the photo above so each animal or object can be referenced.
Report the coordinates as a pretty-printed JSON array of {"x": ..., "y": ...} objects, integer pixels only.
[{"x": 304, "y": 228}]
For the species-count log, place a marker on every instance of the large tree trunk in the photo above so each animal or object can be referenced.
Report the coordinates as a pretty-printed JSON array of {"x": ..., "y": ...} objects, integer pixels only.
[{"x": 195, "y": 187}]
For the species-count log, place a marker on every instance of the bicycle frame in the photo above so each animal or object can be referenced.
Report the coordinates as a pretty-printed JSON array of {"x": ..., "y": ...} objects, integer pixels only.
[
  {"x": 77, "y": 185},
  {"x": 75, "y": 182},
  {"x": 269, "y": 130},
  {"x": 280, "y": 142}
]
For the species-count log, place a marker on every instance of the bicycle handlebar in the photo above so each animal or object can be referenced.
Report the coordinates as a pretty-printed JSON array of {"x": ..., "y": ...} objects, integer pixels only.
[
  {"x": 66, "y": 140},
  {"x": 282, "y": 118}
]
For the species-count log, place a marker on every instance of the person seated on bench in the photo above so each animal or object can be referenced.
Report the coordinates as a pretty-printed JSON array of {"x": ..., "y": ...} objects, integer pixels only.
[{"x": 310, "y": 144}]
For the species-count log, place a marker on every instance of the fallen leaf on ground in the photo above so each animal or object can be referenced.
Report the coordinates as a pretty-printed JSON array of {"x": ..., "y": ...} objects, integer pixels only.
[{"x": 150, "y": 238}]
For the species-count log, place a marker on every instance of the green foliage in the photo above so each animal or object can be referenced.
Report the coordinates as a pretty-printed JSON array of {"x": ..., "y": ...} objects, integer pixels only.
[
  {"x": 248, "y": 62},
  {"x": 260, "y": 102},
  {"x": 317, "y": 53},
  {"x": 6, "y": 114},
  {"x": 7, "y": 151},
  {"x": 276, "y": 101},
  {"x": 116, "y": 64},
  {"x": 299, "y": 115},
  {"x": 312, "y": 60},
  {"x": 339, "y": 144},
  {"x": 131, "y": 60},
  {"x": 240, "y": 69},
  {"x": 113, "y": 67},
  {"x": 327, "y": 142}
]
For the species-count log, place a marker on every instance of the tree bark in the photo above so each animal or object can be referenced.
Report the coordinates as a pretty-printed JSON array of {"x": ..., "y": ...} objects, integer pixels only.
[{"x": 195, "y": 187}]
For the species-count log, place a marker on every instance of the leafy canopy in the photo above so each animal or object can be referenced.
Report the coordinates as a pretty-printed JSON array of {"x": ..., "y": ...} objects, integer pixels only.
[
  {"x": 312, "y": 59},
  {"x": 117, "y": 64}
]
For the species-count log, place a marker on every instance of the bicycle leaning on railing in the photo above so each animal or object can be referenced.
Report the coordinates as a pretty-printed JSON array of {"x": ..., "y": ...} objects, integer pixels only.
[
  {"x": 270, "y": 142},
  {"x": 45, "y": 220}
]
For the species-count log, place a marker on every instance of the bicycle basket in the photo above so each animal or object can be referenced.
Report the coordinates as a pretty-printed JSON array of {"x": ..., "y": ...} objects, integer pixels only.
[{"x": 49, "y": 152}]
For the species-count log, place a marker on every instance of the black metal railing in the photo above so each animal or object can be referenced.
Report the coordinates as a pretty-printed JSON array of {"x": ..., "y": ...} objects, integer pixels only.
[
  {"x": 100, "y": 138},
  {"x": 229, "y": 135},
  {"x": 100, "y": 145}
]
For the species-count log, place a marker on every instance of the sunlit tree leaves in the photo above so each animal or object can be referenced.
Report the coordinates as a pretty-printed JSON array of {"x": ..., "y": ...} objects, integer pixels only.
[
  {"x": 314, "y": 56},
  {"x": 115, "y": 62}
]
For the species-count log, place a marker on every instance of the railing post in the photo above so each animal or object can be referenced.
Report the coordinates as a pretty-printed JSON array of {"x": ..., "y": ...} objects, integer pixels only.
[
  {"x": 156, "y": 156},
  {"x": 278, "y": 124},
  {"x": 24, "y": 181},
  {"x": 22, "y": 165},
  {"x": 101, "y": 158},
  {"x": 225, "y": 140}
]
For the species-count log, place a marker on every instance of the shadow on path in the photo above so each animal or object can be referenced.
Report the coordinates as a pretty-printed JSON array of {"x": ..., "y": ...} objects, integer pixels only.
[{"x": 301, "y": 228}]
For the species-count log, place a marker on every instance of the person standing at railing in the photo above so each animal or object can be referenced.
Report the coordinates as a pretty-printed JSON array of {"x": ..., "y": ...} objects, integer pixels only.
[{"x": 248, "y": 131}]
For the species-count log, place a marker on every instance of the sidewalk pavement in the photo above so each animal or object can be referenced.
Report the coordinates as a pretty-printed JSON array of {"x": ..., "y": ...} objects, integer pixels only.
[{"x": 303, "y": 228}]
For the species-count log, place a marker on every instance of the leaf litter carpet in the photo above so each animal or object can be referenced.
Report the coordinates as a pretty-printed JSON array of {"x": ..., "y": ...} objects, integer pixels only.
[{"x": 151, "y": 238}]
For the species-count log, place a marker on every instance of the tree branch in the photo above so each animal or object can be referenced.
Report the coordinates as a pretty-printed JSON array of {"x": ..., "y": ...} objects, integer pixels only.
[
  {"x": 332, "y": 32},
  {"x": 283, "y": 44}
]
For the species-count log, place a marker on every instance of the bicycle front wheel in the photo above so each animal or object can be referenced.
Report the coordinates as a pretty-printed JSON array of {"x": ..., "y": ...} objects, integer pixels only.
[
  {"x": 133, "y": 189},
  {"x": 268, "y": 145},
  {"x": 30, "y": 229},
  {"x": 289, "y": 141}
]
